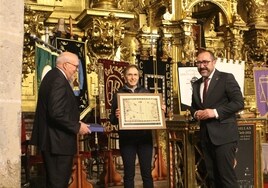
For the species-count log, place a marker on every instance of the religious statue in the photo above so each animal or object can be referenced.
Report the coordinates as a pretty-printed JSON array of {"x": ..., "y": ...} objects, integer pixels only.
[{"x": 61, "y": 29}]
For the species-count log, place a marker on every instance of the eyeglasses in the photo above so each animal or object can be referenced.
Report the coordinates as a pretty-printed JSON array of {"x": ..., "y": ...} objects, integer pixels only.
[
  {"x": 204, "y": 62},
  {"x": 76, "y": 66}
]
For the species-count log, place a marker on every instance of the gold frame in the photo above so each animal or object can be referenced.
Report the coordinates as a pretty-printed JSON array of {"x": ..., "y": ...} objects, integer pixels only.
[{"x": 147, "y": 114}]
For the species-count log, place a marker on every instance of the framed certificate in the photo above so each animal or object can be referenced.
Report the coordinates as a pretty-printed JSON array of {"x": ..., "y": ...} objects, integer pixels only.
[{"x": 140, "y": 111}]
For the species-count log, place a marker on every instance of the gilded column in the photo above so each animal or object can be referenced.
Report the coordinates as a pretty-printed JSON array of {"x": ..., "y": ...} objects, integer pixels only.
[
  {"x": 235, "y": 38},
  {"x": 188, "y": 50},
  {"x": 258, "y": 32},
  {"x": 256, "y": 49}
]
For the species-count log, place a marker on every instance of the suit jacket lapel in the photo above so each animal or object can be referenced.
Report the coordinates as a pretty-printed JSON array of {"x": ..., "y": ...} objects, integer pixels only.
[
  {"x": 213, "y": 83},
  {"x": 197, "y": 95}
]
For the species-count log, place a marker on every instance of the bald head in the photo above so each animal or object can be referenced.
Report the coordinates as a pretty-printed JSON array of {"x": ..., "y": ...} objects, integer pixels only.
[
  {"x": 68, "y": 62},
  {"x": 66, "y": 57}
]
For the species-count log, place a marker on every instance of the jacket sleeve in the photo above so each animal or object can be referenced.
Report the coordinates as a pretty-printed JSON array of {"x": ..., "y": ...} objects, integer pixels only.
[
  {"x": 235, "y": 99},
  {"x": 113, "y": 118},
  {"x": 194, "y": 106}
]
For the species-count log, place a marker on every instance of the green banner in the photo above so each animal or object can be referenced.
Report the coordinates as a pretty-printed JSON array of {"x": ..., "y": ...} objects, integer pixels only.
[{"x": 45, "y": 60}]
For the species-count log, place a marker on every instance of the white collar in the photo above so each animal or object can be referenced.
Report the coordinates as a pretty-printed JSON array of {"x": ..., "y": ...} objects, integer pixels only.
[{"x": 62, "y": 72}]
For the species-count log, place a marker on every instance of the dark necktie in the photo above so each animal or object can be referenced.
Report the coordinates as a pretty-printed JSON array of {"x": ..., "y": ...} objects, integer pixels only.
[{"x": 205, "y": 88}]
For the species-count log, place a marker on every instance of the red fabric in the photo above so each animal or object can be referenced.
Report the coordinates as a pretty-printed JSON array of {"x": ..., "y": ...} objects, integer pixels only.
[
  {"x": 113, "y": 78},
  {"x": 265, "y": 181},
  {"x": 23, "y": 137}
]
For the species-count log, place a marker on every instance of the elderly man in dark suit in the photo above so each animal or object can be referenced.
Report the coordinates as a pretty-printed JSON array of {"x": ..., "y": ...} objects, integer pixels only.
[
  {"x": 216, "y": 99},
  {"x": 56, "y": 122}
]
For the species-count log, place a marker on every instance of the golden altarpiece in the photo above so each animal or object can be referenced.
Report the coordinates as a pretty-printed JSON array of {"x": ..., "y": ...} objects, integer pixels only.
[{"x": 122, "y": 30}]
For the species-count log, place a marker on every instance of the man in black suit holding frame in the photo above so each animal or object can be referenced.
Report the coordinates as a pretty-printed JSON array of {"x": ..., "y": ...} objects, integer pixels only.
[
  {"x": 216, "y": 99},
  {"x": 56, "y": 122}
]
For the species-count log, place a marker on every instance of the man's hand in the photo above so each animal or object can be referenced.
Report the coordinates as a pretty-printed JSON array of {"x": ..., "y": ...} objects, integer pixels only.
[
  {"x": 84, "y": 129},
  {"x": 204, "y": 114}
]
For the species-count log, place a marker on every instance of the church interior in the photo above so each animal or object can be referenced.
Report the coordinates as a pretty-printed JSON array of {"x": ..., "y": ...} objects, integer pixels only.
[{"x": 162, "y": 37}]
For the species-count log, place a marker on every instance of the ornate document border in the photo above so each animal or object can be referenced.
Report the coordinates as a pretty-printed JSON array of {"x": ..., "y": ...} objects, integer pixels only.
[{"x": 140, "y": 111}]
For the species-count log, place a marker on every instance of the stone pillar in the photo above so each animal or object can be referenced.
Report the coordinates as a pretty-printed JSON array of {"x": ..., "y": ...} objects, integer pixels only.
[{"x": 11, "y": 46}]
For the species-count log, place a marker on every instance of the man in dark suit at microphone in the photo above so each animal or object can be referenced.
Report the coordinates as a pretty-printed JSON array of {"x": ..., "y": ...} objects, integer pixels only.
[
  {"x": 56, "y": 122},
  {"x": 216, "y": 99}
]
